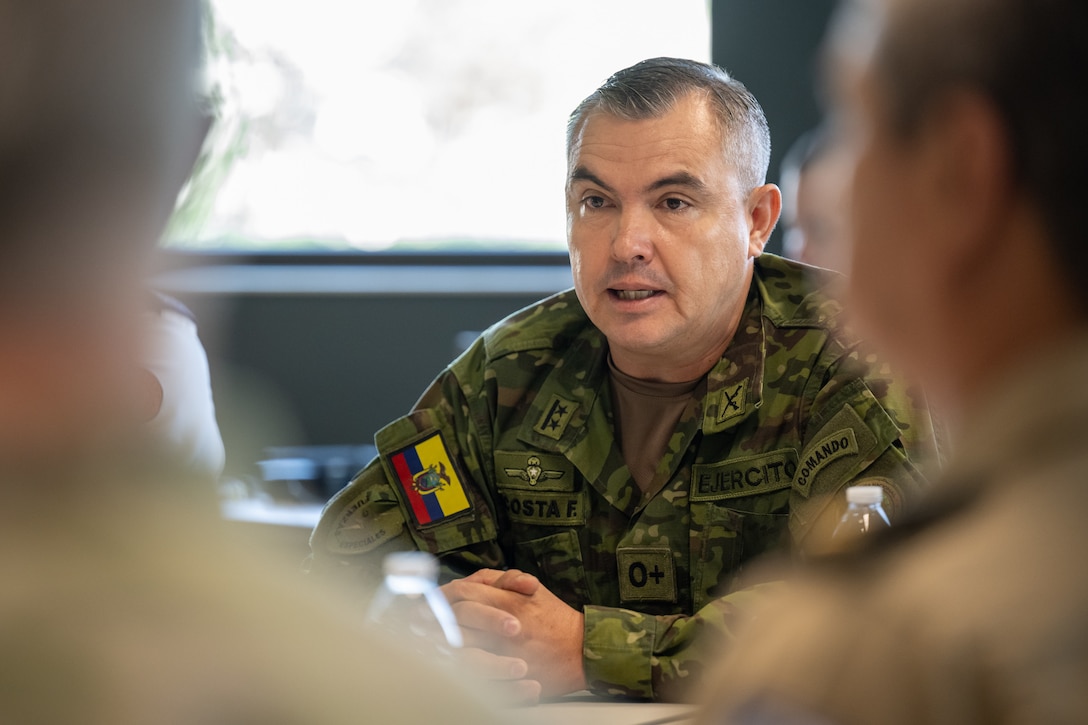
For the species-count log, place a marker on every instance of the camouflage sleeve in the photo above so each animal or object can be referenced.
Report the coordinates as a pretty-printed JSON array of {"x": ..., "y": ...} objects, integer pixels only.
[
  {"x": 662, "y": 657},
  {"x": 426, "y": 490},
  {"x": 863, "y": 426}
]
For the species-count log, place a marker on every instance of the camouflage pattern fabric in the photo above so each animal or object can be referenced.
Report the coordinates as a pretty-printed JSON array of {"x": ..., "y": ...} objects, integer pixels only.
[{"x": 522, "y": 424}]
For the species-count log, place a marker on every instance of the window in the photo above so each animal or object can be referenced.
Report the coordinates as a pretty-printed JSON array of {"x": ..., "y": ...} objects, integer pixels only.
[{"x": 410, "y": 125}]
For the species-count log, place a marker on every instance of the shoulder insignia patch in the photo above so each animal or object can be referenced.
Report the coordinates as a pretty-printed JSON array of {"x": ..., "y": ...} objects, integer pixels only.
[
  {"x": 555, "y": 417},
  {"x": 427, "y": 477},
  {"x": 364, "y": 526},
  {"x": 822, "y": 453}
]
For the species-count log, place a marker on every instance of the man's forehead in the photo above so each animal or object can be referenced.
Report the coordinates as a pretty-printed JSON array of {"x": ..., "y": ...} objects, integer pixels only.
[
  {"x": 690, "y": 114},
  {"x": 684, "y": 141}
]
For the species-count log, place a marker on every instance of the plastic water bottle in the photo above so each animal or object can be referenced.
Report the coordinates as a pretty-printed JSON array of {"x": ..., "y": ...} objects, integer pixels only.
[
  {"x": 410, "y": 605},
  {"x": 864, "y": 513}
]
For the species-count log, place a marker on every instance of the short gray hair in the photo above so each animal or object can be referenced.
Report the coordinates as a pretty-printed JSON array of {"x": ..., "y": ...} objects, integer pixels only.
[{"x": 652, "y": 88}]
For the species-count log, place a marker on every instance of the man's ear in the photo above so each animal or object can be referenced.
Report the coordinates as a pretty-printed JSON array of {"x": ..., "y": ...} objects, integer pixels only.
[
  {"x": 967, "y": 153},
  {"x": 764, "y": 208}
]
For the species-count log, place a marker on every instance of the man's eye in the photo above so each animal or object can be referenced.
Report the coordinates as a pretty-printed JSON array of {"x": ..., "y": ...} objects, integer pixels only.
[
  {"x": 675, "y": 204},
  {"x": 594, "y": 202}
]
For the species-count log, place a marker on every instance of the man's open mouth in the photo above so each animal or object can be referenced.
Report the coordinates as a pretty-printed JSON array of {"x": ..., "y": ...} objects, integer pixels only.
[{"x": 634, "y": 294}]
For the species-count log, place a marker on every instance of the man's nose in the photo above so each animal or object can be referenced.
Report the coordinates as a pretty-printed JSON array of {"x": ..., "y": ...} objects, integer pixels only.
[{"x": 633, "y": 238}]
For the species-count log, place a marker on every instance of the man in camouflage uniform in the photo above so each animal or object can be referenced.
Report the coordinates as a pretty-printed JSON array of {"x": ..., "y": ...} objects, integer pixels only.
[{"x": 632, "y": 443}]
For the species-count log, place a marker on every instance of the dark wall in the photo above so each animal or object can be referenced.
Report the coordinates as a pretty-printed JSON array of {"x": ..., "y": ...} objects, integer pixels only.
[
  {"x": 325, "y": 369},
  {"x": 771, "y": 46}
]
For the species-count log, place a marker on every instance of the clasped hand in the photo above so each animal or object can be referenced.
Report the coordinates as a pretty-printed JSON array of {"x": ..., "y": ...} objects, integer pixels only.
[{"x": 517, "y": 632}]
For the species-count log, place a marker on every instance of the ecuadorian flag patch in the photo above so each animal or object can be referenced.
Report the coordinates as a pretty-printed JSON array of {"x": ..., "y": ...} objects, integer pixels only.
[{"x": 429, "y": 480}]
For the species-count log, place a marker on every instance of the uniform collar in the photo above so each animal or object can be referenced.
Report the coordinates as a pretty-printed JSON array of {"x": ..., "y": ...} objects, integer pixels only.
[
  {"x": 734, "y": 386},
  {"x": 569, "y": 414},
  {"x": 557, "y": 416}
]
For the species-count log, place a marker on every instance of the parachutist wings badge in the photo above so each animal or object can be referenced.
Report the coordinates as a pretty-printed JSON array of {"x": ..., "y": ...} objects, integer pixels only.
[{"x": 533, "y": 472}]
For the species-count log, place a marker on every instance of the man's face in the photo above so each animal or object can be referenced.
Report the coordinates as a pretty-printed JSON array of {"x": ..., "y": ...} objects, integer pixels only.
[
  {"x": 659, "y": 233},
  {"x": 897, "y": 223}
]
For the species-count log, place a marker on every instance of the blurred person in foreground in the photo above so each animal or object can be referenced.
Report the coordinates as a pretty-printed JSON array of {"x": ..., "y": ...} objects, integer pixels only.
[
  {"x": 625, "y": 447},
  {"x": 122, "y": 601},
  {"x": 966, "y": 123},
  {"x": 814, "y": 213}
]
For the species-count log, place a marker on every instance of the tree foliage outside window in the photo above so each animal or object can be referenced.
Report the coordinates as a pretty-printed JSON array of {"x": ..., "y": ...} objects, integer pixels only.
[{"x": 411, "y": 125}]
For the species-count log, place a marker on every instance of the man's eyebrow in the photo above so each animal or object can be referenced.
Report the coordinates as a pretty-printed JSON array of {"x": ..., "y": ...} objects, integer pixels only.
[
  {"x": 581, "y": 173},
  {"x": 681, "y": 178}
]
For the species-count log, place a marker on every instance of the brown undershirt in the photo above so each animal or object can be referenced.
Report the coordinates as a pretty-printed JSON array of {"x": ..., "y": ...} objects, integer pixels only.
[{"x": 645, "y": 416}]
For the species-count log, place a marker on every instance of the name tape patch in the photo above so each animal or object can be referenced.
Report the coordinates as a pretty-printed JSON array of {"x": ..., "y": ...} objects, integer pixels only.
[
  {"x": 646, "y": 574},
  {"x": 746, "y": 476},
  {"x": 545, "y": 508},
  {"x": 429, "y": 481}
]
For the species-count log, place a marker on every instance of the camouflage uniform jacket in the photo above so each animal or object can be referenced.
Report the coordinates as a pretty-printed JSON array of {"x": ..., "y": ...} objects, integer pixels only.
[{"x": 509, "y": 460}]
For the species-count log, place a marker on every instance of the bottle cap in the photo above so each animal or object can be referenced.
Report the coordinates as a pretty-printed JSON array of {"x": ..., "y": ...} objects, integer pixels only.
[
  {"x": 865, "y": 494},
  {"x": 411, "y": 564}
]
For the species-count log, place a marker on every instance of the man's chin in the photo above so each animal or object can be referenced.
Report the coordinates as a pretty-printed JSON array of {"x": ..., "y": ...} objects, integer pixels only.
[{"x": 636, "y": 343}]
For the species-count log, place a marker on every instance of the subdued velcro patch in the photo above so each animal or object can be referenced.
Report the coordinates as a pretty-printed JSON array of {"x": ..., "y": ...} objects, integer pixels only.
[
  {"x": 842, "y": 444},
  {"x": 364, "y": 526},
  {"x": 646, "y": 574},
  {"x": 533, "y": 471},
  {"x": 726, "y": 407},
  {"x": 545, "y": 508},
  {"x": 732, "y": 401},
  {"x": 555, "y": 417},
  {"x": 745, "y": 476},
  {"x": 823, "y": 453}
]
